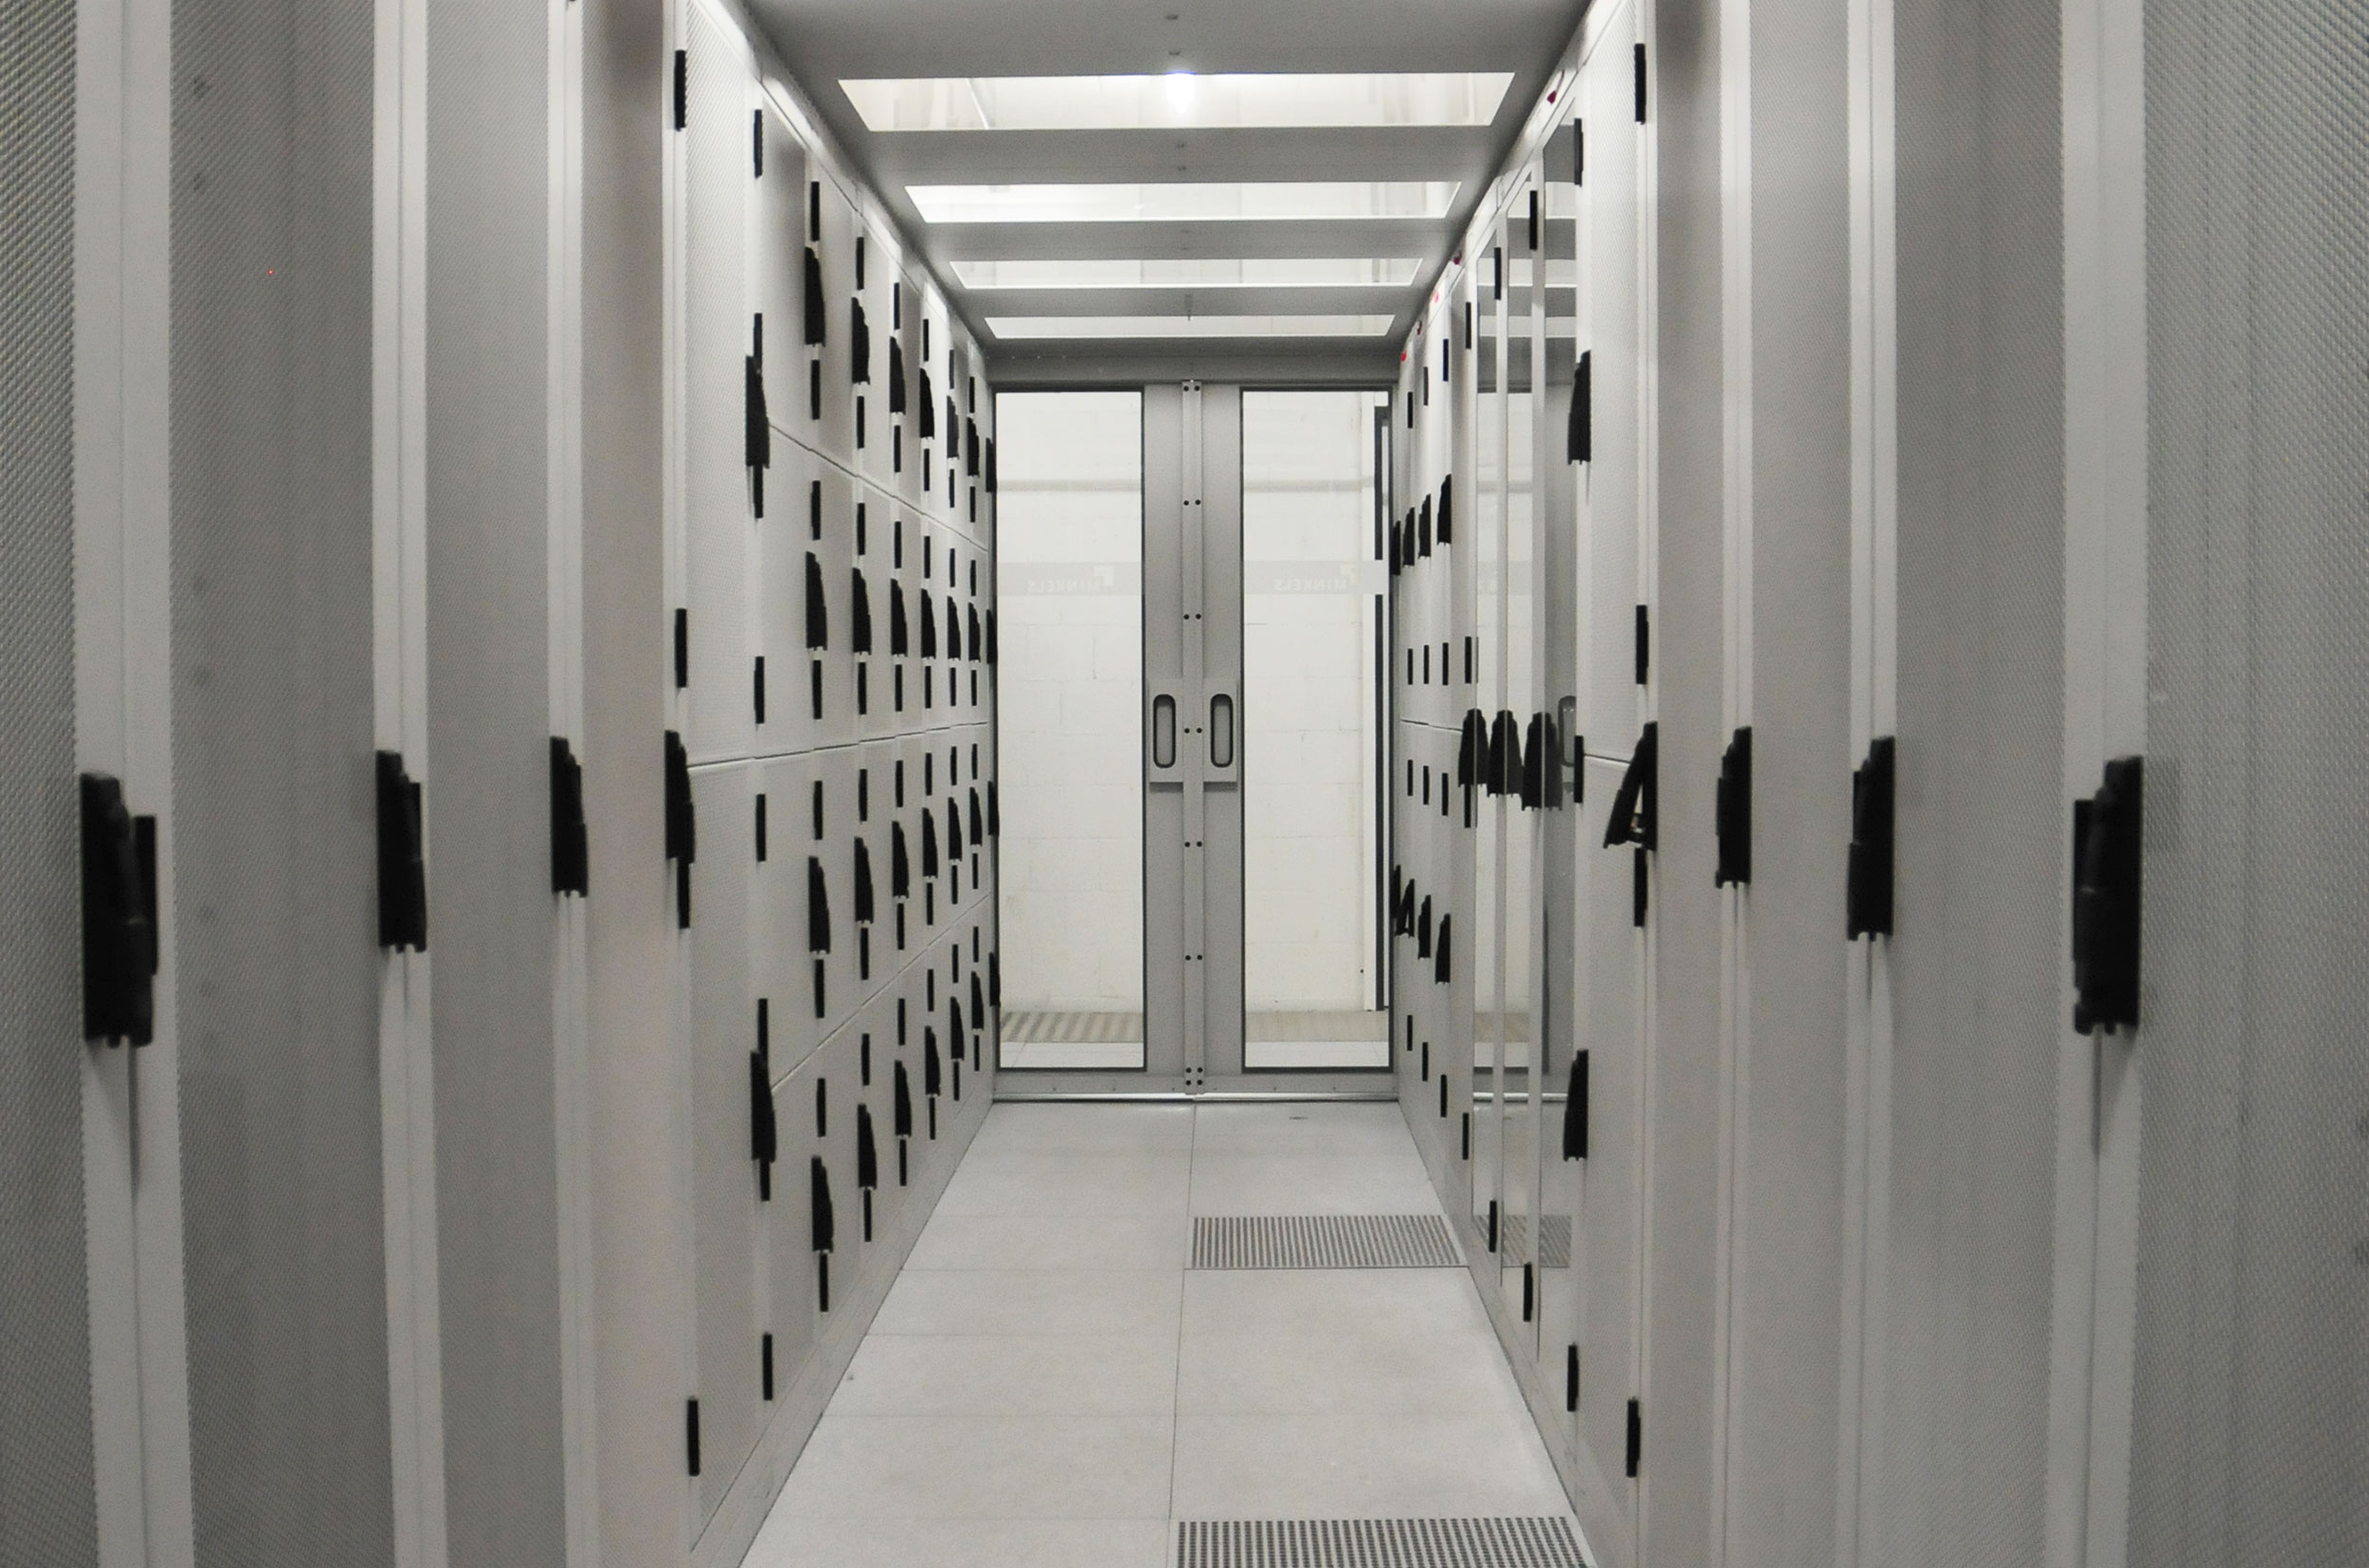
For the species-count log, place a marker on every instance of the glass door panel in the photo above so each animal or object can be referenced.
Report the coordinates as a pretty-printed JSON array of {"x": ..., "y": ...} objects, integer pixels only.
[
  {"x": 1312, "y": 607},
  {"x": 1069, "y": 578}
]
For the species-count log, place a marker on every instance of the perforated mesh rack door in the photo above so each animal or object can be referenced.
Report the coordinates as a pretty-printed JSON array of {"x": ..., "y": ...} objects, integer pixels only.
[
  {"x": 1545, "y": 1542},
  {"x": 2249, "y": 1442},
  {"x": 46, "y": 1507}
]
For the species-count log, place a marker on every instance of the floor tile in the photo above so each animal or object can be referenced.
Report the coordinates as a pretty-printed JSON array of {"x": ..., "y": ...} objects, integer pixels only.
[
  {"x": 788, "y": 1542},
  {"x": 1300, "y": 1129},
  {"x": 1011, "y": 1374},
  {"x": 1389, "y": 1303},
  {"x": 983, "y": 1301},
  {"x": 1041, "y": 1128},
  {"x": 1364, "y": 1466},
  {"x": 1161, "y": 1241},
  {"x": 982, "y": 1467},
  {"x": 1311, "y": 1183},
  {"x": 1303, "y": 1373},
  {"x": 1054, "y": 1186}
]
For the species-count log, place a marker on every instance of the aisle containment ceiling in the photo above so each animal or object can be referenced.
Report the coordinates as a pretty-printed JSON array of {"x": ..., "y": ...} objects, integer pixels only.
[{"x": 1160, "y": 266}]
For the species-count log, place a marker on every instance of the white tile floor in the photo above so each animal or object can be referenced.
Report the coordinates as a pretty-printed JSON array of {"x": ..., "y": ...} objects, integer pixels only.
[{"x": 1047, "y": 1384}]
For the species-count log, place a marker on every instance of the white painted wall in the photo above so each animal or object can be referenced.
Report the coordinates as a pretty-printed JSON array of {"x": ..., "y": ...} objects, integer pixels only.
[
  {"x": 1309, "y": 577},
  {"x": 1070, "y": 598}
]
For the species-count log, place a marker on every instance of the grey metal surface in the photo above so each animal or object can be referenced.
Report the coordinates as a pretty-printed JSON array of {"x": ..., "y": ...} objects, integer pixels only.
[
  {"x": 47, "y": 1506},
  {"x": 1677, "y": 1478},
  {"x": 1785, "y": 1248},
  {"x": 1545, "y": 1542},
  {"x": 1323, "y": 1241},
  {"x": 2249, "y": 1436},
  {"x": 489, "y": 815},
  {"x": 1957, "y": 1474},
  {"x": 278, "y": 993}
]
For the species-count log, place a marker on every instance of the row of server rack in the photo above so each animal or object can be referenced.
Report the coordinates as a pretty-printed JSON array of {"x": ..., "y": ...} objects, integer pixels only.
[
  {"x": 833, "y": 770},
  {"x": 1814, "y": 964}
]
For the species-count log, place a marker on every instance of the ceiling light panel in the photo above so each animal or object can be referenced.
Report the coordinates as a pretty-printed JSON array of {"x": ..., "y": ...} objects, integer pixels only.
[
  {"x": 1273, "y": 201},
  {"x": 1203, "y": 273},
  {"x": 1177, "y": 101},
  {"x": 1018, "y": 327}
]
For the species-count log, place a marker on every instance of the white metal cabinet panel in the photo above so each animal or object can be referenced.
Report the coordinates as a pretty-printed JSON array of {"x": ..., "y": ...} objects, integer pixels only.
[
  {"x": 778, "y": 586},
  {"x": 1610, "y": 1239},
  {"x": 780, "y": 972},
  {"x": 718, "y": 319},
  {"x": 827, "y": 669},
  {"x": 1792, "y": 682},
  {"x": 869, "y": 679},
  {"x": 907, "y": 303},
  {"x": 794, "y": 1313},
  {"x": 777, "y": 262},
  {"x": 1966, "y": 1259},
  {"x": 877, "y": 293},
  {"x": 724, "y": 1196},
  {"x": 834, "y": 433}
]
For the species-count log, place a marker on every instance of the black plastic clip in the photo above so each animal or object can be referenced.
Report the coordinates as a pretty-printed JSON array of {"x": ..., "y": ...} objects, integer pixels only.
[{"x": 1635, "y": 804}]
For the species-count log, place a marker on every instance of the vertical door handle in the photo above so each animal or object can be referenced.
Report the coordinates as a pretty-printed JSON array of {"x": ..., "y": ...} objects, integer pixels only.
[
  {"x": 1222, "y": 730},
  {"x": 1164, "y": 730}
]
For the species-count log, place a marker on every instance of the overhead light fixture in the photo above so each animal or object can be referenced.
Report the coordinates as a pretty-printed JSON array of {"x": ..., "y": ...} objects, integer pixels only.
[
  {"x": 1179, "y": 98},
  {"x": 1267, "y": 201},
  {"x": 1192, "y": 273},
  {"x": 1018, "y": 327}
]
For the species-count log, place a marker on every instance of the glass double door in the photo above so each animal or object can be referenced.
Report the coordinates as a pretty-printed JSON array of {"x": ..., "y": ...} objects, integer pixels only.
[{"x": 1193, "y": 705}]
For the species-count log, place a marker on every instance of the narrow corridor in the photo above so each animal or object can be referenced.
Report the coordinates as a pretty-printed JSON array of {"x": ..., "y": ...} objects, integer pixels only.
[{"x": 1051, "y": 1383}]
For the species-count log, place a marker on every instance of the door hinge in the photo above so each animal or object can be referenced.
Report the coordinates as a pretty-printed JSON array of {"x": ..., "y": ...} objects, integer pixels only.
[
  {"x": 682, "y": 649},
  {"x": 682, "y": 119},
  {"x": 1571, "y": 1377},
  {"x": 1868, "y": 880},
  {"x": 1640, "y": 84},
  {"x": 756, "y": 143},
  {"x": 2106, "y": 900},
  {"x": 1732, "y": 813},
  {"x": 765, "y": 1364},
  {"x": 1578, "y": 152},
  {"x": 1644, "y": 643},
  {"x": 691, "y": 1419},
  {"x": 1636, "y": 1438}
]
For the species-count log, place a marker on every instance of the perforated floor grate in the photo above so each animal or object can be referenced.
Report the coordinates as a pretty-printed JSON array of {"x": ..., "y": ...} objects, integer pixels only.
[
  {"x": 1323, "y": 1241},
  {"x": 1545, "y": 1542}
]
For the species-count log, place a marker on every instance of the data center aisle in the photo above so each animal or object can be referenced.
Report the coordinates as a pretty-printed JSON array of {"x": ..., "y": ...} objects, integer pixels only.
[{"x": 1050, "y": 1382}]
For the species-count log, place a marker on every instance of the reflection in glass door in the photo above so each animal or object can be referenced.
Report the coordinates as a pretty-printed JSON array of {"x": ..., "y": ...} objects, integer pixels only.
[
  {"x": 1069, "y": 577},
  {"x": 1312, "y": 623}
]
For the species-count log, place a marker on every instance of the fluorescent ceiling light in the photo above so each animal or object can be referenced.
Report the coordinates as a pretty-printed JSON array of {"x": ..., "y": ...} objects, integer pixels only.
[
  {"x": 1199, "y": 273},
  {"x": 1180, "y": 99},
  {"x": 1218, "y": 202},
  {"x": 1013, "y": 327}
]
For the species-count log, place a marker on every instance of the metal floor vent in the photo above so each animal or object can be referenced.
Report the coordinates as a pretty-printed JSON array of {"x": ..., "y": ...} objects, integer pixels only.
[
  {"x": 1324, "y": 1241},
  {"x": 1545, "y": 1542}
]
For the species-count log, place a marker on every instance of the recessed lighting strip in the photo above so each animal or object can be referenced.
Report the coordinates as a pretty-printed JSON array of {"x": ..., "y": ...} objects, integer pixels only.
[
  {"x": 1197, "y": 273},
  {"x": 1256, "y": 201},
  {"x": 1015, "y": 328},
  {"x": 1178, "y": 100}
]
